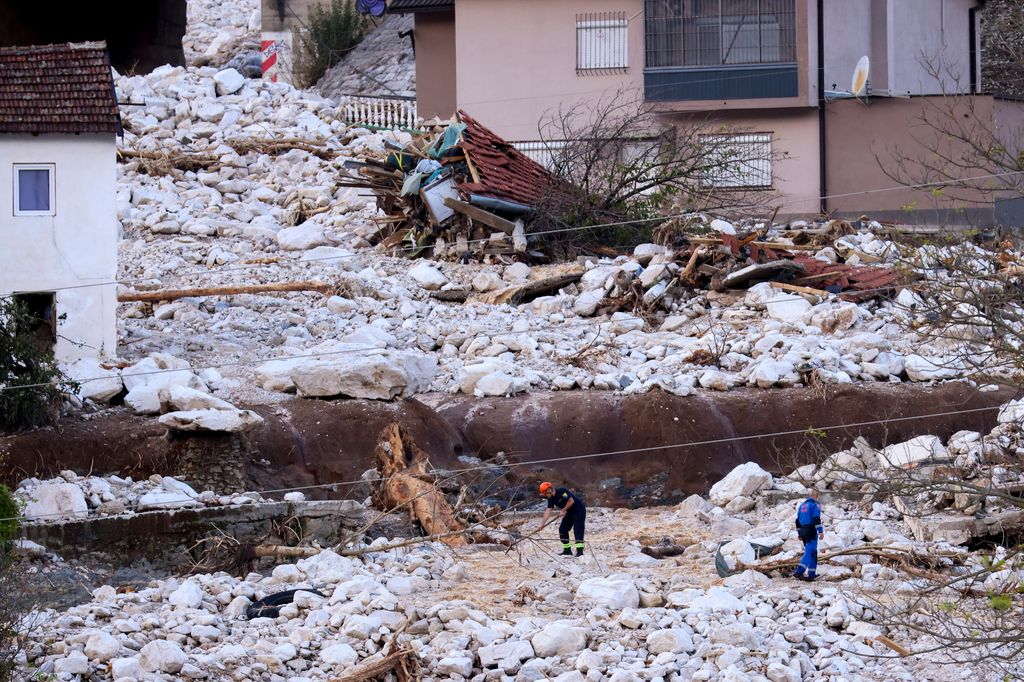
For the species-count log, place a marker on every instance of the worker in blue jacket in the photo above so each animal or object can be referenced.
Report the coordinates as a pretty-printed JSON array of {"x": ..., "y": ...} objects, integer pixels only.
[
  {"x": 574, "y": 515},
  {"x": 810, "y": 530}
]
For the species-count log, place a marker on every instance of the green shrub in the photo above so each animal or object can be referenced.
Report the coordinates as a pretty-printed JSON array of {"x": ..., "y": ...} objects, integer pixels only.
[
  {"x": 334, "y": 28},
  {"x": 9, "y": 513},
  {"x": 24, "y": 361}
]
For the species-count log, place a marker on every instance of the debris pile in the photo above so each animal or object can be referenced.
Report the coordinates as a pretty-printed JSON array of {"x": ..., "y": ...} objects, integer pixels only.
[
  {"x": 70, "y": 496},
  {"x": 456, "y": 192}
]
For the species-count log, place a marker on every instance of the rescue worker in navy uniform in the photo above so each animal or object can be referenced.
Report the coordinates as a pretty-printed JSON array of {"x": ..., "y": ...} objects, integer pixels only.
[
  {"x": 574, "y": 515},
  {"x": 810, "y": 530}
]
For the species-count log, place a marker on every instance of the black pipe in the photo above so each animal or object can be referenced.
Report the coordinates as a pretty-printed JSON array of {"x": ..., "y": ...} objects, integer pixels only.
[
  {"x": 821, "y": 107},
  {"x": 972, "y": 40}
]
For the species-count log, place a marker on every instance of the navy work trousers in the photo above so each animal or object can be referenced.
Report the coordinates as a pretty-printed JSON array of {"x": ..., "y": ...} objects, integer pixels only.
[{"x": 575, "y": 518}]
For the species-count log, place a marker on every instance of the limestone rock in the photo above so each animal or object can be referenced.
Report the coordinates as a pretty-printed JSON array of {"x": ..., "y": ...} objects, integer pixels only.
[
  {"x": 559, "y": 639},
  {"x": 55, "y": 500},
  {"x": 912, "y": 452},
  {"x": 611, "y": 593},
  {"x": 427, "y": 276},
  {"x": 672, "y": 640},
  {"x": 746, "y": 479},
  {"x": 101, "y": 647},
  {"x": 94, "y": 381},
  {"x": 302, "y": 237},
  {"x": 215, "y": 420},
  {"x": 228, "y": 82},
  {"x": 163, "y": 656}
]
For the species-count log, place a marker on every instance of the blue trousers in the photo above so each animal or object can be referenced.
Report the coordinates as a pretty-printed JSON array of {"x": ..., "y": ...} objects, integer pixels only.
[{"x": 809, "y": 561}]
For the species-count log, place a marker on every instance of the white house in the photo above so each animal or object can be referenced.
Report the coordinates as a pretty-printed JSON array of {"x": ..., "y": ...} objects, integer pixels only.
[{"x": 58, "y": 223}]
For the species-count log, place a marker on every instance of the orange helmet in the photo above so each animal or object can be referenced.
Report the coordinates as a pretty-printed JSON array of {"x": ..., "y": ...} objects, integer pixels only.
[{"x": 544, "y": 487}]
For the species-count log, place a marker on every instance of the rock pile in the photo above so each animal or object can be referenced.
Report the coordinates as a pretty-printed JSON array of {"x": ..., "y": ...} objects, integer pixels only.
[
  {"x": 71, "y": 496},
  {"x": 383, "y": 64},
  {"x": 229, "y": 181}
]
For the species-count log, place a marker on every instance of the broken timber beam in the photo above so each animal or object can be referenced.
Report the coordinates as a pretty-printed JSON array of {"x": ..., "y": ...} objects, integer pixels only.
[
  {"x": 480, "y": 215},
  {"x": 799, "y": 289},
  {"x": 173, "y": 294},
  {"x": 767, "y": 245},
  {"x": 405, "y": 482}
]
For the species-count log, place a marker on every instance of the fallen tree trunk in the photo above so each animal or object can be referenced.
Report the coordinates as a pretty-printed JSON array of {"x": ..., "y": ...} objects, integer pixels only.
[
  {"x": 173, "y": 294},
  {"x": 405, "y": 482}
]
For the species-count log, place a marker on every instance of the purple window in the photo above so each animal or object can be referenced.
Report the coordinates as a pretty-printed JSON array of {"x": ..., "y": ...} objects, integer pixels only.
[{"x": 34, "y": 190}]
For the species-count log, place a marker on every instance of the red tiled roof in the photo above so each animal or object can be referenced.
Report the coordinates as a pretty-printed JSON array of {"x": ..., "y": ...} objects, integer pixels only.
[
  {"x": 858, "y": 282},
  {"x": 505, "y": 172},
  {"x": 64, "y": 88}
]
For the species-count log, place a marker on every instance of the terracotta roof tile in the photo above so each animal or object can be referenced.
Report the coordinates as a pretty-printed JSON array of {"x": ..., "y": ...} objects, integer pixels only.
[
  {"x": 505, "y": 172},
  {"x": 64, "y": 88}
]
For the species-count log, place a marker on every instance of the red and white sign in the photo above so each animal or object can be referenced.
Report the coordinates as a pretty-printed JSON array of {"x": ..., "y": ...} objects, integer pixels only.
[{"x": 276, "y": 49}]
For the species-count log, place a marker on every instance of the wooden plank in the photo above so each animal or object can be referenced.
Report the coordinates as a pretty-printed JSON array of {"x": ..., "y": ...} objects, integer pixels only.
[
  {"x": 902, "y": 651},
  {"x": 800, "y": 290},
  {"x": 710, "y": 241},
  {"x": 472, "y": 169},
  {"x": 173, "y": 294},
  {"x": 480, "y": 215}
]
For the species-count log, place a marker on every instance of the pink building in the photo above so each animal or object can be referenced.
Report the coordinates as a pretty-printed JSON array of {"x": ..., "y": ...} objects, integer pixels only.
[{"x": 776, "y": 69}]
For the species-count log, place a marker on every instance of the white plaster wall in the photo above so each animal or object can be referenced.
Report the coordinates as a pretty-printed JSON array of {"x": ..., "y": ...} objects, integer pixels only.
[
  {"x": 77, "y": 245},
  {"x": 933, "y": 30}
]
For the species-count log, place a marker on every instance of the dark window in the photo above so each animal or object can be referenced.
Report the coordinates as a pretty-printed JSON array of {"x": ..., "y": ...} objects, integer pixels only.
[
  {"x": 42, "y": 320},
  {"x": 716, "y": 32}
]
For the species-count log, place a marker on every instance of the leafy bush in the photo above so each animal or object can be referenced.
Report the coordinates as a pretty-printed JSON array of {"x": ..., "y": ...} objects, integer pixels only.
[
  {"x": 24, "y": 361},
  {"x": 9, "y": 512},
  {"x": 14, "y": 600},
  {"x": 334, "y": 29}
]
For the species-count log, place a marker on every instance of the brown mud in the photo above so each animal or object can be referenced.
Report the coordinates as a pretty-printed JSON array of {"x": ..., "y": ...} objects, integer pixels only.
[{"x": 313, "y": 442}]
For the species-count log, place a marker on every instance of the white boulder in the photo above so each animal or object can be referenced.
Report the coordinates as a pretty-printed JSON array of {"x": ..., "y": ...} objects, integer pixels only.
[
  {"x": 611, "y": 593},
  {"x": 737, "y": 553},
  {"x": 54, "y": 500},
  {"x": 746, "y": 479},
  {"x": 427, "y": 276},
  {"x": 228, "y": 82},
  {"x": 101, "y": 647},
  {"x": 559, "y": 639},
  {"x": 95, "y": 382},
  {"x": 301, "y": 237},
  {"x": 339, "y": 656},
  {"x": 162, "y": 656},
  {"x": 920, "y": 368},
  {"x": 188, "y": 595},
  {"x": 672, "y": 640},
  {"x": 912, "y": 452},
  {"x": 214, "y": 420}
]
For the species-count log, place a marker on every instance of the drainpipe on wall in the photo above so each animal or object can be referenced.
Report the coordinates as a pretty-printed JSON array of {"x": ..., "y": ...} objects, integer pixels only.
[{"x": 822, "y": 184}]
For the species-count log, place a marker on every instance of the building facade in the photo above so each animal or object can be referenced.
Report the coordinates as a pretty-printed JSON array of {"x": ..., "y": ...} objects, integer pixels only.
[
  {"x": 777, "y": 70},
  {"x": 58, "y": 221}
]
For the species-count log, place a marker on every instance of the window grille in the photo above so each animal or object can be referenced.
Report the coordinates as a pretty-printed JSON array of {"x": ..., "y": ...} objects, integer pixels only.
[
  {"x": 602, "y": 43},
  {"x": 688, "y": 33},
  {"x": 738, "y": 161}
]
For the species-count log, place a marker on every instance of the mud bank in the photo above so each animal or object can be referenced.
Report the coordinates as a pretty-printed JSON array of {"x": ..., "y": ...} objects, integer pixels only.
[{"x": 700, "y": 437}]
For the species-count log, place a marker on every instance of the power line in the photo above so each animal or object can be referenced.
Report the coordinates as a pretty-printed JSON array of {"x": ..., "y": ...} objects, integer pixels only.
[{"x": 450, "y": 473}]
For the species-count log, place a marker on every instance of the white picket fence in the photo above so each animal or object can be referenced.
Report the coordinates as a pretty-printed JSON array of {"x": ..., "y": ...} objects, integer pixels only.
[{"x": 385, "y": 112}]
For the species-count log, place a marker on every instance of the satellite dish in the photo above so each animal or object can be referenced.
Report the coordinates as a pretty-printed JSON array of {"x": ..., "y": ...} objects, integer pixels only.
[{"x": 860, "y": 77}]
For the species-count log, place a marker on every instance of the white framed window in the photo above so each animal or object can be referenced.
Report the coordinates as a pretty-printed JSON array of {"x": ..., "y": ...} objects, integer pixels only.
[
  {"x": 742, "y": 161},
  {"x": 34, "y": 189},
  {"x": 602, "y": 44}
]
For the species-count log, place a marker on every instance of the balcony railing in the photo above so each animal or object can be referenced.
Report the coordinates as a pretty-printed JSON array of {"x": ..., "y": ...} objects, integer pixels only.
[{"x": 381, "y": 112}]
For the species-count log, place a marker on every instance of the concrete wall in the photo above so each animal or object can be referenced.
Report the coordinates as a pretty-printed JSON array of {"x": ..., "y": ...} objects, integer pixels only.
[
  {"x": 848, "y": 31},
  {"x": 517, "y": 60},
  {"x": 862, "y": 139},
  {"x": 935, "y": 30},
  {"x": 77, "y": 245},
  {"x": 278, "y": 15},
  {"x": 435, "y": 64}
]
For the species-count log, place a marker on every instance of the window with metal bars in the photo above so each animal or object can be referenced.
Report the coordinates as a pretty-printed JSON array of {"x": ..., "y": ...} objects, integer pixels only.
[
  {"x": 602, "y": 44},
  {"x": 741, "y": 161},
  {"x": 680, "y": 33}
]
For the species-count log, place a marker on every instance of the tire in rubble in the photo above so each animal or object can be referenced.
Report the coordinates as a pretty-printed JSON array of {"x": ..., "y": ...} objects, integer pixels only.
[{"x": 270, "y": 606}]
